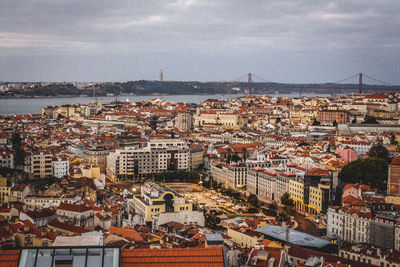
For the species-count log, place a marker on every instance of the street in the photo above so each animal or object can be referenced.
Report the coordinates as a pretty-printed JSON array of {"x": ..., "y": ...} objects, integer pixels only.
[{"x": 307, "y": 226}]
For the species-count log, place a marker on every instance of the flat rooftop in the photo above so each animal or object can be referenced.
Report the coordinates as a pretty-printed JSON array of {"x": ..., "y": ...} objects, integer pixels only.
[{"x": 295, "y": 237}]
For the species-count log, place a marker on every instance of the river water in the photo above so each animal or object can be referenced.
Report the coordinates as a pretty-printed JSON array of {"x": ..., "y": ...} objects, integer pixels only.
[{"x": 12, "y": 106}]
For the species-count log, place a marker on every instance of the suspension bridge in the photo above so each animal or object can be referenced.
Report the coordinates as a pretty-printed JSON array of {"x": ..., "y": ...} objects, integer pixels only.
[{"x": 251, "y": 78}]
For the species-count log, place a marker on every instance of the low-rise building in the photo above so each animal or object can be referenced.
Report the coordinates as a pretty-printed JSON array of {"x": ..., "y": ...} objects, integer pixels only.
[
  {"x": 245, "y": 237},
  {"x": 5, "y": 190},
  {"x": 41, "y": 201},
  {"x": 40, "y": 218},
  {"x": 76, "y": 214},
  {"x": 155, "y": 199},
  {"x": 192, "y": 218}
]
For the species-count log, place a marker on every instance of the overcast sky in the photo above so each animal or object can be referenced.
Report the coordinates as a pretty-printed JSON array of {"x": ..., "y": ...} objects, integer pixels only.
[{"x": 283, "y": 40}]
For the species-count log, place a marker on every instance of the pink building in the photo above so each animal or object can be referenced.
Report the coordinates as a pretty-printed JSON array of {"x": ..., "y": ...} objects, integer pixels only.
[
  {"x": 354, "y": 190},
  {"x": 347, "y": 154}
]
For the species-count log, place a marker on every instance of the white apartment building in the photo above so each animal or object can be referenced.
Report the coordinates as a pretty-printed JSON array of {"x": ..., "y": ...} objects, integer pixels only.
[
  {"x": 237, "y": 175},
  {"x": 184, "y": 217},
  {"x": 282, "y": 184},
  {"x": 60, "y": 168},
  {"x": 6, "y": 159},
  {"x": 268, "y": 184},
  {"x": 219, "y": 172},
  {"x": 361, "y": 147},
  {"x": 262, "y": 183},
  {"x": 155, "y": 156},
  {"x": 42, "y": 201},
  {"x": 253, "y": 177},
  {"x": 76, "y": 214},
  {"x": 349, "y": 224}
]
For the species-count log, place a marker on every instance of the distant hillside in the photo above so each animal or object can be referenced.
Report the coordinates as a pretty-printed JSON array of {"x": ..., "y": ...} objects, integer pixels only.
[{"x": 143, "y": 87}]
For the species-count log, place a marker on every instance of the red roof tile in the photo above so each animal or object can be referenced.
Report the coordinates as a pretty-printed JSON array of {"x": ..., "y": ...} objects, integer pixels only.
[
  {"x": 9, "y": 258},
  {"x": 172, "y": 257}
]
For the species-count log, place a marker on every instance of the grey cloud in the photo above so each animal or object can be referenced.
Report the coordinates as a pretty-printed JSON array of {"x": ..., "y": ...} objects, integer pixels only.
[{"x": 190, "y": 38}]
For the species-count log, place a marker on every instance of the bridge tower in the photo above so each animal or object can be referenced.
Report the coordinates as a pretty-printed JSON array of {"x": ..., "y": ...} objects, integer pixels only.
[
  {"x": 360, "y": 84},
  {"x": 249, "y": 83}
]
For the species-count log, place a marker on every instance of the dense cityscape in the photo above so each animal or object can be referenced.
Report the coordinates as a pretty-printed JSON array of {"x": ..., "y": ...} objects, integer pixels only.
[
  {"x": 199, "y": 133},
  {"x": 247, "y": 181}
]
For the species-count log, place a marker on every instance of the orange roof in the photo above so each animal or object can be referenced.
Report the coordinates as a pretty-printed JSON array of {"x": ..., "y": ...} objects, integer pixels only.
[
  {"x": 395, "y": 161},
  {"x": 172, "y": 257},
  {"x": 349, "y": 186},
  {"x": 9, "y": 258},
  {"x": 353, "y": 201},
  {"x": 126, "y": 232},
  {"x": 317, "y": 172}
]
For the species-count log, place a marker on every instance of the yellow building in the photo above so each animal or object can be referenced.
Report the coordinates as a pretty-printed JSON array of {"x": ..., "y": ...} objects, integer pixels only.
[
  {"x": 25, "y": 238},
  {"x": 68, "y": 111},
  {"x": 196, "y": 157},
  {"x": 5, "y": 190},
  {"x": 319, "y": 197},
  {"x": 245, "y": 237},
  {"x": 41, "y": 164},
  {"x": 96, "y": 156},
  {"x": 296, "y": 191},
  {"x": 155, "y": 199}
]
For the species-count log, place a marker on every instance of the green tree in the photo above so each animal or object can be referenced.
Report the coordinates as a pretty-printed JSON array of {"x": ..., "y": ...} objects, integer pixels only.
[
  {"x": 236, "y": 195},
  {"x": 273, "y": 207},
  {"x": 278, "y": 120},
  {"x": 369, "y": 120},
  {"x": 393, "y": 140},
  {"x": 378, "y": 151},
  {"x": 315, "y": 122},
  {"x": 372, "y": 171},
  {"x": 19, "y": 153},
  {"x": 335, "y": 124},
  {"x": 153, "y": 122},
  {"x": 287, "y": 200},
  {"x": 253, "y": 200},
  {"x": 245, "y": 152},
  {"x": 235, "y": 157},
  {"x": 229, "y": 155},
  {"x": 354, "y": 120}
]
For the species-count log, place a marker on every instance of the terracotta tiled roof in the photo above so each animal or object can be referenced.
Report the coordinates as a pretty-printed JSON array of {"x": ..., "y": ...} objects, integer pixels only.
[
  {"x": 395, "y": 161},
  {"x": 9, "y": 258},
  {"x": 353, "y": 201},
  {"x": 173, "y": 257},
  {"x": 74, "y": 207},
  {"x": 68, "y": 227},
  {"x": 317, "y": 172},
  {"x": 303, "y": 253},
  {"x": 126, "y": 232}
]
